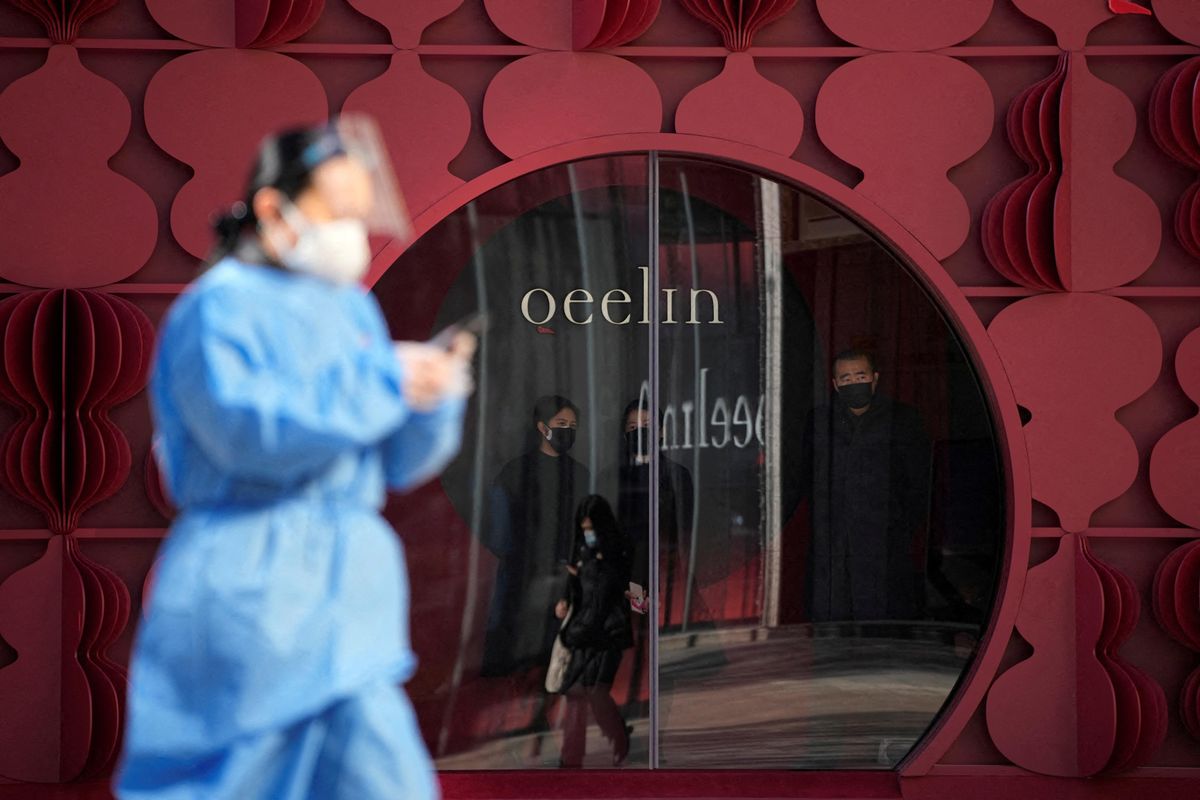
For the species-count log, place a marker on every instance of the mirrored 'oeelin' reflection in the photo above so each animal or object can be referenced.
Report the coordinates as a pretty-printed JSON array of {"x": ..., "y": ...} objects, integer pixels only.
[{"x": 730, "y": 498}]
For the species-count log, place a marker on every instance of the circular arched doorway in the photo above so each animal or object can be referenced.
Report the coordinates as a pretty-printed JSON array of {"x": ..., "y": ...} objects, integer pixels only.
[{"x": 822, "y": 568}]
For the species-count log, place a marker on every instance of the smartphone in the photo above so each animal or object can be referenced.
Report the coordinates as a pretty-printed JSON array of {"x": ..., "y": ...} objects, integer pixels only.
[{"x": 475, "y": 323}]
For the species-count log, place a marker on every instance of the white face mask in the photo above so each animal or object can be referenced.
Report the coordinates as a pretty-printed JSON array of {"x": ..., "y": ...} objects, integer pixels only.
[{"x": 337, "y": 251}]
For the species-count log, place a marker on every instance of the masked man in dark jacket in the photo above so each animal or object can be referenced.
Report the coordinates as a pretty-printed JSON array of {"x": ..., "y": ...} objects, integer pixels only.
[{"x": 866, "y": 467}]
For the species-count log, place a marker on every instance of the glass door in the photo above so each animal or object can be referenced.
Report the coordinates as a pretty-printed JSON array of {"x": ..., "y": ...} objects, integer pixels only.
[{"x": 727, "y": 425}]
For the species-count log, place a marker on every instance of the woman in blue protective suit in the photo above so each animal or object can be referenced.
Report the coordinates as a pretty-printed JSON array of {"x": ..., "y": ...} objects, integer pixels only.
[{"x": 268, "y": 662}]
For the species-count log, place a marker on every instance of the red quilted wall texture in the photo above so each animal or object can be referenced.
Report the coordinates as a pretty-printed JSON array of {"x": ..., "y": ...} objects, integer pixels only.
[{"x": 1045, "y": 152}]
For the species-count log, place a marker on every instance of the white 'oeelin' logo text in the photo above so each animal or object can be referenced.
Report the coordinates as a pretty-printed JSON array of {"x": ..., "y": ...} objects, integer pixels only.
[{"x": 539, "y": 307}]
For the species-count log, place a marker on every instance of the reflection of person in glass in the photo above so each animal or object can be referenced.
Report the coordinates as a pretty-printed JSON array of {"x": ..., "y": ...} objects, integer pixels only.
[
  {"x": 532, "y": 505},
  {"x": 632, "y": 478},
  {"x": 597, "y": 632},
  {"x": 867, "y": 463},
  {"x": 633, "y": 498},
  {"x": 277, "y": 630}
]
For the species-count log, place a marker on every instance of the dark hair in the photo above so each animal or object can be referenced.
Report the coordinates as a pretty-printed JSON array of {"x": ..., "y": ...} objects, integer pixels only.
[
  {"x": 604, "y": 522},
  {"x": 641, "y": 403},
  {"x": 854, "y": 355},
  {"x": 550, "y": 404},
  {"x": 286, "y": 161},
  {"x": 638, "y": 404}
]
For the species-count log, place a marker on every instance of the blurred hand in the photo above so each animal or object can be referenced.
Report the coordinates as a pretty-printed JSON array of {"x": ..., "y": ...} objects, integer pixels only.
[
  {"x": 560, "y": 609},
  {"x": 432, "y": 374},
  {"x": 463, "y": 345}
]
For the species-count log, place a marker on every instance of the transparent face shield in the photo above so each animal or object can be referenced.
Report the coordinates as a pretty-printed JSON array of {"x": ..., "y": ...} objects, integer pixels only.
[{"x": 367, "y": 189}]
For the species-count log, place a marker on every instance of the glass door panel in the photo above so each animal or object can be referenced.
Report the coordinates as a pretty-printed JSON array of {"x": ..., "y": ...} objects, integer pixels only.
[
  {"x": 824, "y": 592},
  {"x": 557, "y": 261}
]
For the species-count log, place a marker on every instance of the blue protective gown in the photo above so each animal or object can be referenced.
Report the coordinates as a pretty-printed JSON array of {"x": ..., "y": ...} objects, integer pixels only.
[{"x": 278, "y": 627}]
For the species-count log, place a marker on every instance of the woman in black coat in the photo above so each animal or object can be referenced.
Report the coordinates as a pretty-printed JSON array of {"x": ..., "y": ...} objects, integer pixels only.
[{"x": 598, "y": 631}]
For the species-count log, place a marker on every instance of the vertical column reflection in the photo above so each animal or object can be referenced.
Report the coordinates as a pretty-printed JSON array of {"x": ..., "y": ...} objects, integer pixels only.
[
  {"x": 771, "y": 382},
  {"x": 478, "y": 489},
  {"x": 652, "y": 200}
]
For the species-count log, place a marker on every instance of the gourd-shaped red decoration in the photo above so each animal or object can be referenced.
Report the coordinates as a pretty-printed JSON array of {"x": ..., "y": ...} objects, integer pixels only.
[
  {"x": 1175, "y": 457},
  {"x": 425, "y": 122},
  {"x": 1074, "y": 708},
  {"x": 406, "y": 21},
  {"x": 47, "y": 736},
  {"x": 245, "y": 95},
  {"x": 1055, "y": 712},
  {"x": 69, "y": 357},
  {"x": 61, "y": 614},
  {"x": 1176, "y": 596},
  {"x": 1073, "y": 20},
  {"x": 740, "y": 104},
  {"x": 1073, "y": 360},
  {"x": 906, "y": 25},
  {"x": 69, "y": 220},
  {"x": 1180, "y": 17},
  {"x": 739, "y": 20},
  {"x": 62, "y": 18},
  {"x": 598, "y": 25},
  {"x": 550, "y": 98},
  {"x": 577, "y": 25},
  {"x": 1018, "y": 230},
  {"x": 1175, "y": 126},
  {"x": 1071, "y": 223},
  {"x": 885, "y": 113},
  {"x": 237, "y": 23},
  {"x": 106, "y": 613},
  {"x": 1141, "y": 702},
  {"x": 874, "y": 112}
]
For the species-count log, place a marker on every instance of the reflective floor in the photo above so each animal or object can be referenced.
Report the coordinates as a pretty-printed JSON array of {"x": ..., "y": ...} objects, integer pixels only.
[{"x": 837, "y": 697}]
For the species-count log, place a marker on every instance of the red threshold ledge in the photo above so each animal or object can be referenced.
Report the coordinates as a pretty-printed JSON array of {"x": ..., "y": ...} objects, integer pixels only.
[
  {"x": 716, "y": 785},
  {"x": 1171, "y": 784},
  {"x": 627, "y": 784},
  {"x": 634, "y": 784}
]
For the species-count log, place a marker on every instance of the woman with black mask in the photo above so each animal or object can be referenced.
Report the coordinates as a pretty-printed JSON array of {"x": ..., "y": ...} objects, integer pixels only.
[
  {"x": 597, "y": 632},
  {"x": 532, "y": 503}
]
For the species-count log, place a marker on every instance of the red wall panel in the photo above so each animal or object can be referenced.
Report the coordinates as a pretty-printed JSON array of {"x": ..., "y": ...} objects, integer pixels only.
[{"x": 1105, "y": 223}]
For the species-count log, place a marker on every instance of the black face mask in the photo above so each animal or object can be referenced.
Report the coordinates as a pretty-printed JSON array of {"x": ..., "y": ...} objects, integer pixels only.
[
  {"x": 561, "y": 439},
  {"x": 637, "y": 443},
  {"x": 856, "y": 395}
]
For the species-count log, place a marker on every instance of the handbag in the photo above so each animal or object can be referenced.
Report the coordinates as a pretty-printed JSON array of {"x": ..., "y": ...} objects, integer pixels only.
[{"x": 560, "y": 658}]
